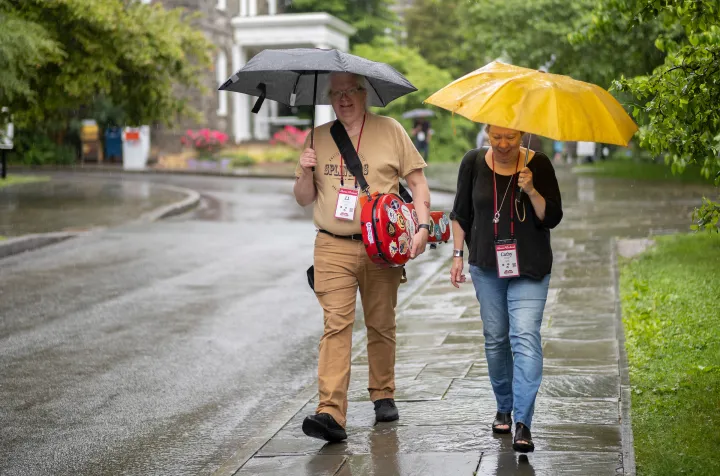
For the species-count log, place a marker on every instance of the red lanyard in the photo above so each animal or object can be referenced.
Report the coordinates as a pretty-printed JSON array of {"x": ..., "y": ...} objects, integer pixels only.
[
  {"x": 342, "y": 181},
  {"x": 512, "y": 198}
]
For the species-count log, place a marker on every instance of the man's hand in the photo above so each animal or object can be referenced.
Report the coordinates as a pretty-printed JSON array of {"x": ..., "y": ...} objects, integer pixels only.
[
  {"x": 419, "y": 243},
  {"x": 456, "y": 275},
  {"x": 308, "y": 159}
]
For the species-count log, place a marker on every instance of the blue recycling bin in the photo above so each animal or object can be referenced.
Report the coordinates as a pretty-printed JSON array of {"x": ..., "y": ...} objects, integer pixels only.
[{"x": 113, "y": 144}]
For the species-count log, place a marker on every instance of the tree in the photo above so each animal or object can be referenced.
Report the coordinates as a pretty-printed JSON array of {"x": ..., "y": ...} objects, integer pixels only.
[
  {"x": 530, "y": 33},
  {"x": 452, "y": 135},
  {"x": 134, "y": 55},
  {"x": 676, "y": 104},
  {"x": 371, "y": 18},
  {"x": 435, "y": 29}
]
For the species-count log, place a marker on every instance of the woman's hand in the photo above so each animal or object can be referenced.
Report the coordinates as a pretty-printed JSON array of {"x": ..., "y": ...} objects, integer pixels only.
[
  {"x": 456, "y": 275},
  {"x": 525, "y": 181}
]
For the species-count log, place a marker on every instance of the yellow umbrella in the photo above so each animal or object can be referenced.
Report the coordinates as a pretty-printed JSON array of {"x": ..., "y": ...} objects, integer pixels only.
[{"x": 545, "y": 104}]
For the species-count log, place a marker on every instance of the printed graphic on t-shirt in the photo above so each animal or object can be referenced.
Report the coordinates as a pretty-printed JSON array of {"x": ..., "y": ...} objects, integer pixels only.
[{"x": 332, "y": 169}]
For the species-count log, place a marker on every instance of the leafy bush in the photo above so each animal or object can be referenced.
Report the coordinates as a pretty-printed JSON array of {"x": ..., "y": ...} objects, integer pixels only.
[{"x": 32, "y": 148}]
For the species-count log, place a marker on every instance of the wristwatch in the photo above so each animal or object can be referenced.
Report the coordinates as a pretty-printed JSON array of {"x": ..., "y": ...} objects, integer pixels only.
[
  {"x": 457, "y": 253},
  {"x": 425, "y": 226}
]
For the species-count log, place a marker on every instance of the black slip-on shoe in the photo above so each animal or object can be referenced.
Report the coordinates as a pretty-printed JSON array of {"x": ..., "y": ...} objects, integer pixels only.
[
  {"x": 385, "y": 410},
  {"x": 323, "y": 426}
]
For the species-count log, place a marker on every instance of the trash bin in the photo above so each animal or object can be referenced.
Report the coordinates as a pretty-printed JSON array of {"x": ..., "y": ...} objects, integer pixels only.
[
  {"x": 113, "y": 144},
  {"x": 136, "y": 147}
]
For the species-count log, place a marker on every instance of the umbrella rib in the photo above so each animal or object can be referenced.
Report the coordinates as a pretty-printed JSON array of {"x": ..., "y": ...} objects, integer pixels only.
[{"x": 382, "y": 101}]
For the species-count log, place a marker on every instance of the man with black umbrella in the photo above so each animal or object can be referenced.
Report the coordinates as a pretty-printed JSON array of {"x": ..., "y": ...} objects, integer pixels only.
[{"x": 341, "y": 263}]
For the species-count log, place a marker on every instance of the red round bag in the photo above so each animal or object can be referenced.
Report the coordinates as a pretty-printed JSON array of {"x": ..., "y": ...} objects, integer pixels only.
[{"x": 389, "y": 225}]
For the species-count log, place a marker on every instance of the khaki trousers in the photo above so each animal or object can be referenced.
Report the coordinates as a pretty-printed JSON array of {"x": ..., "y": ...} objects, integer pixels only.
[{"x": 341, "y": 268}]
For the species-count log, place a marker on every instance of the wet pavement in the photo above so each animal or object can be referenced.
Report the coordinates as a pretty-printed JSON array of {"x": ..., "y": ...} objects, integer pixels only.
[
  {"x": 75, "y": 203},
  {"x": 443, "y": 392},
  {"x": 154, "y": 348}
]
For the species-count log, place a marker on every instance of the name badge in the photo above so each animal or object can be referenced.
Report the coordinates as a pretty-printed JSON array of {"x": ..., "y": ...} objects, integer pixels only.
[
  {"x": 507, "y": 259},
  {"x": 347, "y": 201}
]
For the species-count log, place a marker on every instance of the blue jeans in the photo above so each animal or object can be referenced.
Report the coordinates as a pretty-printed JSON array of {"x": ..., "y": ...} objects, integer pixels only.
[{"x": 511, "y": 310}]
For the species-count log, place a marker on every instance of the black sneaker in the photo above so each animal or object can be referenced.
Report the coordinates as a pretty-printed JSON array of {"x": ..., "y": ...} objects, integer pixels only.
[
  {"x": 385, "y": 410},
  {"x": 323, "y": 426}
]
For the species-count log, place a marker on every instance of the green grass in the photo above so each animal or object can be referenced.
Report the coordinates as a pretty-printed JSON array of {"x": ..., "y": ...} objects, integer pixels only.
[
  {"x": 670, "y": 304},
  {"x": 20, "y": 179},
  {"x": 642, "y": 170}
]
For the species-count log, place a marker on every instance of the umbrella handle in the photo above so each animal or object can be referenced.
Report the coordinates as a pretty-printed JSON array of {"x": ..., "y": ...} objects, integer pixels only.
[{"x": 312, "y": 126}]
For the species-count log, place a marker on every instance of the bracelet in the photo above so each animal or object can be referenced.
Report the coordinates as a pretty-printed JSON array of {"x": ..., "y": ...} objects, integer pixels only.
[
  {"x": 424, "y": 226},
  {"x": 457, "y": 253}
]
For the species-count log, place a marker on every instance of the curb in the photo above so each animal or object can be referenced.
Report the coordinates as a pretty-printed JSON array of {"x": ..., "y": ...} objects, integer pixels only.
[
  {"x": 628, "y": 442},
  {"x": 21, "y": 244}
]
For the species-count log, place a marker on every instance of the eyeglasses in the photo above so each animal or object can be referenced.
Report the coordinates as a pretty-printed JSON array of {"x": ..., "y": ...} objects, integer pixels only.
[{"x": 335, "y": 95}]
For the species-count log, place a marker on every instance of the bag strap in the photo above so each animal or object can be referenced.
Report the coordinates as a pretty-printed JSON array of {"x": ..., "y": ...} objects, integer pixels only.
[{"x": 349, "y": 154}]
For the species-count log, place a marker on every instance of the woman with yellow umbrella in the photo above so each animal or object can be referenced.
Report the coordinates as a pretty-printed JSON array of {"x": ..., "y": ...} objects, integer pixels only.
[{"x": 506, "y": 203}]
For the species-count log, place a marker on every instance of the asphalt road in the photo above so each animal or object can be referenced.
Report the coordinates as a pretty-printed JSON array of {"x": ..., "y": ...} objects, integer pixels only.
[{"x": 160, "y": 348}]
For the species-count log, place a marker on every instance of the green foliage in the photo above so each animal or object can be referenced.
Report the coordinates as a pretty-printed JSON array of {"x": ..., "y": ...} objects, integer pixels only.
[
  {"x": 20, "y": 179},
  {"x": 371, "y": 18},
  {"x": 24, "y": 47},
  {"x": 133, "y": 54},
  {"x": 37, "y": 148},
  {"x": 672, "y": 329},
  {"x": 707, "y": 217},
  {"x": 530, "y": 33},
  {"x": 453, "y": 136},
  {"x": 676, "y": 105},
  {"x": 435, "y": 28}
]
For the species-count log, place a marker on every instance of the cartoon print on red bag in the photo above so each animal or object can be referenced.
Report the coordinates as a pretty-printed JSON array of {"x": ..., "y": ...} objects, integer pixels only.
[
  {"x": 404, "y": 244},
  {"x": 401, "y": 222},
  {"x": 415, "y": 217},
  {"x": 395, "y": 205},
  {"x": 391, "y": 229},
  {"x": 406, "y": 212},
  {"x": 393, "y": 248}
]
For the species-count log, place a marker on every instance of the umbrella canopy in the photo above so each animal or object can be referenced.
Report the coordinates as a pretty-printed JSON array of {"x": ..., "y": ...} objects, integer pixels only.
[
  {"x": 545, "y": 104},
  {"x": 418, "y": 113},
  {"x": 278, "y": 74}
]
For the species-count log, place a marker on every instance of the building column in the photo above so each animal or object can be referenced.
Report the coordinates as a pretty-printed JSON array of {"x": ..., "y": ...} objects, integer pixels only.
[
  {"x": 243, "y": 8},
  {"x": 272, "y": 7},
  {"x": 241, "y": 106},
  {"x": 252, "y": 10},
  {"x": 323, "y": 113}
]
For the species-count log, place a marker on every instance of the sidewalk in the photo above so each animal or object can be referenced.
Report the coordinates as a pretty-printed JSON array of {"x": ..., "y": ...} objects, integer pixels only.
[{"x": 446, "y": 404}]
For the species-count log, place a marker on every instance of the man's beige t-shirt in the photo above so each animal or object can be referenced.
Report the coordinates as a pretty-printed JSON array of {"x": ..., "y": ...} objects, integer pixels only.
[{"x": 386, "y": 152}]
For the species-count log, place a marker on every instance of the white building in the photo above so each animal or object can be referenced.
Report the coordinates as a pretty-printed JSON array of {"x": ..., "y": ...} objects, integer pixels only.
[{"x": 240, "y": 29}]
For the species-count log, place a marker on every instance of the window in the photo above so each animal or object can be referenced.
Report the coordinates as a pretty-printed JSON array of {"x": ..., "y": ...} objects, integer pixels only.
[{"x": 221, "y": 76}]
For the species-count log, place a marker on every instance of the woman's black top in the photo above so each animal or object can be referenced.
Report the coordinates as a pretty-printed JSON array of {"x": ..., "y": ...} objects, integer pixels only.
[{"x": 474, "y": 211}]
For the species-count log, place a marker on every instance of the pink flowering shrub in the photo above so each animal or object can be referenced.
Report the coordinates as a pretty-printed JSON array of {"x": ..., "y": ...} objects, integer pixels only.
[
  {"x": 206, "y": 142},
  {"x": 290, "y": 136}
]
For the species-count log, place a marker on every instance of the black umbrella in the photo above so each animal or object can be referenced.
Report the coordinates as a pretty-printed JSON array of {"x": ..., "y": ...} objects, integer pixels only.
[
  {"x": 418, "y": 114},
  {"x": 292, "y": 77}
]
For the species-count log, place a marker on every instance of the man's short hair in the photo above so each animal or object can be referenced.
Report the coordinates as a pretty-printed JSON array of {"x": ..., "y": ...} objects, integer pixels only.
[{"x": 361, "y": 82}]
